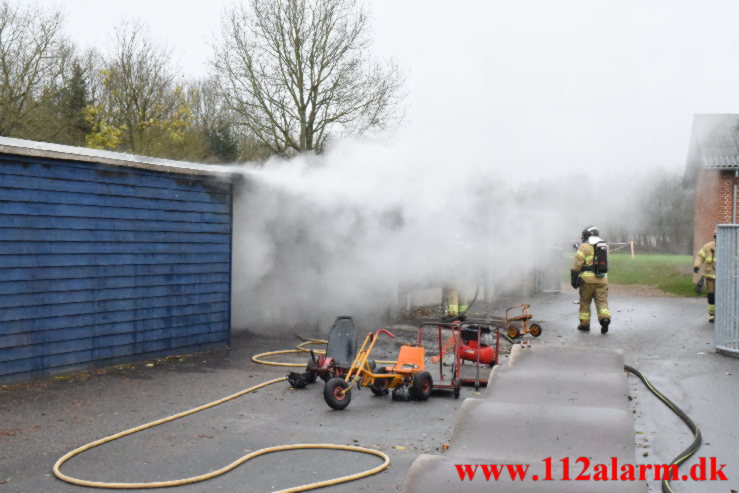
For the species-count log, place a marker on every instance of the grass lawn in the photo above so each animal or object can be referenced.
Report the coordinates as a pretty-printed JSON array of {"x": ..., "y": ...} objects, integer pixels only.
[{"x": 671, "y": 273}]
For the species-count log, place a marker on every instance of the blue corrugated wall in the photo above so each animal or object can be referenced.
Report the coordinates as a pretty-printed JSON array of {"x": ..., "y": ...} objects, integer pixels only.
[{"x": 101, "y": 264}]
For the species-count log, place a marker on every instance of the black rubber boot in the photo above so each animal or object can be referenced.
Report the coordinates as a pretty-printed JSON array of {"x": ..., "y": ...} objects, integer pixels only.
[
  {"x": 604, "y": 323},
  {"x": 583, "y": 328}
]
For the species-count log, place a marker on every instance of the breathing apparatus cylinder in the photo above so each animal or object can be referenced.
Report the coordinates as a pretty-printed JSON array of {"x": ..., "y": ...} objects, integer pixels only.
[{"x": 600, "y": 262}]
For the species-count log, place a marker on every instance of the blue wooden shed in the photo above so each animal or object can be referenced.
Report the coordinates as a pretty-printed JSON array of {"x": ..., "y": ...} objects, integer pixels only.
[{"x": 108, "y": 257}]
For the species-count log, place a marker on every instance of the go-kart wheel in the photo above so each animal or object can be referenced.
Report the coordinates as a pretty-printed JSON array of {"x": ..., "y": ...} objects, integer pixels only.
[
  {"x": 513, "y": 332},
  {"x": 334, "y": 395},
  {"x": 379, "y": 392},
  {"x": 535, "y": 330},
  {"x": 380, "y": 388},
  {"x": 402, "y": 393},
  {"x": 297, "y": 380},
  {"x": 311, "y": 374},
  {"x": 457, "y": 387},
  {"x": 422, "y": 385}
]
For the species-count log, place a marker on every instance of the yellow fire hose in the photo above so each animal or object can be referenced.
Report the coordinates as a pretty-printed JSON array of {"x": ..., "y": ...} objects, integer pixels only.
[
  {"x": 298, "y": 349},
  {"x": 194, "y": 479},
  {"x": 257, "y": 358}
]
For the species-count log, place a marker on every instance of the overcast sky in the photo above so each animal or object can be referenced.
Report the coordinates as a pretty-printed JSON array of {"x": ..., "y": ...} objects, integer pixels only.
[
  {"x": 530, "y": 85},
  {"x": 570, "y": 100}
]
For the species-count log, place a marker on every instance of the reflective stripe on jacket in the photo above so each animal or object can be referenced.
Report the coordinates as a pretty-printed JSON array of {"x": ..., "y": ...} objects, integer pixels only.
[
  {"x": 707, "y": 256},
  {"x": 584, "y": 258}
]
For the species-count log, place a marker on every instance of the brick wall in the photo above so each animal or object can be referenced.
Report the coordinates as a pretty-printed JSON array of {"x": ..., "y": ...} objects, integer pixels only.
[{"x": 714, "y": 196}]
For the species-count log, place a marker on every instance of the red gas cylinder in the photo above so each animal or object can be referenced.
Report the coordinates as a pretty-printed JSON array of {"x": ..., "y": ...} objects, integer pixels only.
[{"x": 469, "y": 352}]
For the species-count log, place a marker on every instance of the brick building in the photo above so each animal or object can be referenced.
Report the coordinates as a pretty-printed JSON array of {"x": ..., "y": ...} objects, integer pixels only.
[{"x": 712, "y": 169}]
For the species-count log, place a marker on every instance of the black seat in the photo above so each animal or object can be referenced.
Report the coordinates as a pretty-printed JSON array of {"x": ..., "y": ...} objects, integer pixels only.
[{"x": 342, "y": 342}]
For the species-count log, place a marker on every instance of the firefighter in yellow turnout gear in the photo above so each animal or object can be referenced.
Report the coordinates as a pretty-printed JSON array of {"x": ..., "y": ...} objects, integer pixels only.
[
  {"x": 453, "y": 301},
  {"x": 707, "y": 256},
  {"x": 589, "y": 274}
]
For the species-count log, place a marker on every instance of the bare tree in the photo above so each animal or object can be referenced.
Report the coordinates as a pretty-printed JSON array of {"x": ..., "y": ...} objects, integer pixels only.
[
  {"x": 298, "y": 71},
  {"x": 138, "y": 86},
  {"x": 212, "y": 120},
  {"x": 33, "y": 59}
]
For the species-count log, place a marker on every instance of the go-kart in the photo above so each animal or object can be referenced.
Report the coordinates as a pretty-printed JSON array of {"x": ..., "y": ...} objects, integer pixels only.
[
  {"x": 407, "y": 377},
  {"x": 340, "y": 351}
]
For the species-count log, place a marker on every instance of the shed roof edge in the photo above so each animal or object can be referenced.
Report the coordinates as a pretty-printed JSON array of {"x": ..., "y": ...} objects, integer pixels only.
[{"x": 32, "y": 148}]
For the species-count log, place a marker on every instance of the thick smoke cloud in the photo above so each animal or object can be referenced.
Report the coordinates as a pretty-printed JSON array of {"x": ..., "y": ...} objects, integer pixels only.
[{"x": 345, "y": 232}]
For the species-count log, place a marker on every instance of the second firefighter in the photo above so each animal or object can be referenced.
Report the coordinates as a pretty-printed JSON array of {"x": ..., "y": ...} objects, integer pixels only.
[
  {"x": 589, "y": 274},
  {"x": 707, "y": 256}
]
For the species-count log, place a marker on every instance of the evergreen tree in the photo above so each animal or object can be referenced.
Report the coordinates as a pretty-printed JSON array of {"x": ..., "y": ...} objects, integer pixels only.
[
  {"x": 69, "y": 108},
  {"x": 222, "y": 143}
]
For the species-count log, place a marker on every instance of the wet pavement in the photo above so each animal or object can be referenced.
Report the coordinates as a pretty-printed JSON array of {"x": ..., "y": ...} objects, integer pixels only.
[
  {"x": 668, "y": 339},
  {"x": 671, "y": 342},
  {"x": 555, "y": 401}
]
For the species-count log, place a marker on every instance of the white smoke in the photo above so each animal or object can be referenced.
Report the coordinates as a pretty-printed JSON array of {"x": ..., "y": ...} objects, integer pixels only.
[{"x": 343, "y": 233}]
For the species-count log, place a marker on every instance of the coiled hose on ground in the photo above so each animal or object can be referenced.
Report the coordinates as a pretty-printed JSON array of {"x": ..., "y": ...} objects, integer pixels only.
[
  {"x": 666, "y": 487},
  {"x": 236, "y": 463}
]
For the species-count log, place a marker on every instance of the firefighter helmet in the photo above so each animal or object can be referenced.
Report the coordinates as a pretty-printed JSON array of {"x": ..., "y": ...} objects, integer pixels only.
[{"x": 588, "y": 232}]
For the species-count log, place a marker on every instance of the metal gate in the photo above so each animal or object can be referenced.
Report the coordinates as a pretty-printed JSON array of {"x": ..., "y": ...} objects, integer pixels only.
[
  {"x": 727, "y": 288},
  {"x": 545, "y": 275}
]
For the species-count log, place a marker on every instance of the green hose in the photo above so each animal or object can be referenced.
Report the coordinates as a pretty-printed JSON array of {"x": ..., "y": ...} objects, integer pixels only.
[{"x": 693, "y": 447}]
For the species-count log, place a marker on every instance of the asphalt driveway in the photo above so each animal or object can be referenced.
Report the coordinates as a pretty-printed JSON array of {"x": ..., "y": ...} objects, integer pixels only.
[{"x": 667, "y": 338}]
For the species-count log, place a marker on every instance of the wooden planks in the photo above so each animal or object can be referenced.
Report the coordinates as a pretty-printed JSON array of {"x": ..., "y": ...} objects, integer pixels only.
[{"x": 100, "y": 264}]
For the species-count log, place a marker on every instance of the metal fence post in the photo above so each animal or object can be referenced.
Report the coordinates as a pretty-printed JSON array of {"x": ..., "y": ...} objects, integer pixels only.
[{"x": 726, "y": 333}]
